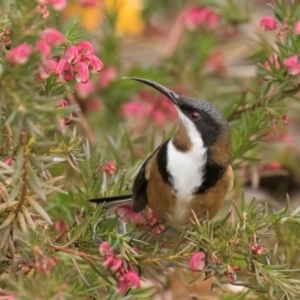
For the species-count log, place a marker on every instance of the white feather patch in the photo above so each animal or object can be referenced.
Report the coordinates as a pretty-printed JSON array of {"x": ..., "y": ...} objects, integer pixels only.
[{"x": 186, "y": 168}]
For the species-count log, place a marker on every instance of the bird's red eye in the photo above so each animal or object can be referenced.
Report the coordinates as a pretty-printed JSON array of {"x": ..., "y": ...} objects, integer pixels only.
[{"x": 195, "y": 116}]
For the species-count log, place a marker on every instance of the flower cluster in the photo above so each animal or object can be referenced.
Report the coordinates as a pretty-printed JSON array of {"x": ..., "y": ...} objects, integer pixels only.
[
  {"x": 200, "y": 16},
  {"x": 291, "y": 63},
  {"x": 158, "y": 108},
  {"x": 109, "y": 167},
  {"x": 126, "y": 277},
  {"x": 42, "y": 263},
  {"x": 144, "y": 220},
  {"x": 256, "y": 249},
  {"x": 77, "y": 62},
  {"x": 197, "y": 261}
]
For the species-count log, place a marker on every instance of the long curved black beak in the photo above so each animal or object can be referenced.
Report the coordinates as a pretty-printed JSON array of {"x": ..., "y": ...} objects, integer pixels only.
[{"x": 171, "y": 95}]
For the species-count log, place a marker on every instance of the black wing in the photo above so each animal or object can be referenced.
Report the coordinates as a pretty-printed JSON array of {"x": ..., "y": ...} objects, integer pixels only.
[
  {"x": 113, "y": 199},
  {"x": 139, "y": 190}
]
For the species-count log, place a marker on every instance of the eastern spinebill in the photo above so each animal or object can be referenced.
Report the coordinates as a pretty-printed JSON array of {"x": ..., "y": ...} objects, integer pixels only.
[{"x": 190, "y": 171}]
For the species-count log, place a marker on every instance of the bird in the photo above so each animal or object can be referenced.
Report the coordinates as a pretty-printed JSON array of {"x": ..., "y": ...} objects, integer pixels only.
[{"x": 190, "y": 173}]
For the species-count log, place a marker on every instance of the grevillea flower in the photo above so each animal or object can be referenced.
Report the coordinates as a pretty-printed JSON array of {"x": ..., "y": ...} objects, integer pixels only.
[
  {"x": 108, "y": 262},
  {"x": 127, "y": 213},
  {"x": 133, "y": 279},
  {"x": 46, "y": 68},
  {"x": 72, "y": 55},
  {"x": 200, "y": 16},
  {"x": 43, "y": 10},
  {"x": 82, "y": 72},
  {"x": 105, "y": 249},
  {"x": 53, "y": 37},
  {"x": 297, "y": 28},
  {"x": 197, "y": 261},
  {"x": 108, "y": 75},
  {"x": 85, "y": 48},
  {"x": 8, "y": 161},
  {"x": 44, "y": 48},
  {"x": 93, "y": 62},
  {"x": 20, "y": 54},
  {"x": 268, "y": 23},
  {"x": 64, "y": 70},
  {"x": 292, "y": 65},
  {"x": 109, "y": 167},
  {"x": 58, "y": 4},
  {"x": 84, "y": 90},
  {"x": 116, "y": 265}
]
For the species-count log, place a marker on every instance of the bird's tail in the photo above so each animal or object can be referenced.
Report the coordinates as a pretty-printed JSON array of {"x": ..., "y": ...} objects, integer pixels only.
[{"x": 114, "y": 200}]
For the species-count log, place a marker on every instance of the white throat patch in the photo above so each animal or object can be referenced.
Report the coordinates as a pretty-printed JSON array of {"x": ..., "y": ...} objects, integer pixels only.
[{"x": 186, "y": 168}]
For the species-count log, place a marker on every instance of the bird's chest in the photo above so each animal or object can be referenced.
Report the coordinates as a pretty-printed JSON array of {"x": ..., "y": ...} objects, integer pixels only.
[{"x": 186, "y": 171}]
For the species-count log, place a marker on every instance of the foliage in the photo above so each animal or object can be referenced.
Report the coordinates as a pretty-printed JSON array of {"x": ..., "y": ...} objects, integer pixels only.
[{"x": 61, "y": 140}]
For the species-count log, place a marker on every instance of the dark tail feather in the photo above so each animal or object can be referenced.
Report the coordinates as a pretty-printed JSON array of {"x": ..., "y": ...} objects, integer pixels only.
[{"x": 114, "y": 200}]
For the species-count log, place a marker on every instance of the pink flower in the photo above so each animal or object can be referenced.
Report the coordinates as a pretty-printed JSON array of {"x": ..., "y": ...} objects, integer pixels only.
[
  {"x": 64, "y": 70},
  {"x": 82, "y": 72},
  {"x": 216, "y": 62},
  {"x": 20, "y": 54},
  {"x": 105, "y": 249},
  {"x": 200, "y": 16},
  {"x": 273, "y": 166},
  {"x": 46, "y": 68},
  {"x": 58, "y": 4},
  {"x": 43, "y": 10},
  {"x": 273, "y": 60},
  {"x": 72, "y": 55},
  {"x": 53, "y": 37},
  {"x": 127, "y": 214},
  {"x": 297, "y": 28},
  {"x": 62, "y": 103},
  {"x": 116, "y": 265},
  {"x": 292, "y": 65},
  {"x": 93, "y": 62},
  {"x": 44, "y": 48},
  {"x": 133, "y": 279},
  {"x": 8, "y": 161},
  {"x": 122, "y": 286},
  {"x": 88, "y": 3},
  {"x": 61, "y": 226},
  {"x": 197, "y": 261},
  {"x": 83, "y": 90},
  {"x": 108, "y": 262},
  {"x": 109, "y": 167},
  {"x": 85, "y": 48},
  {"x": 107, "y": 76},
  {"x": 268, "y": 23}
]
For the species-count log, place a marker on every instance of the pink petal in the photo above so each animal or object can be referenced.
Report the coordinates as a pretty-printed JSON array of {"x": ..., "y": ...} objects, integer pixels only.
[
  {"x": 127, "y": 214},
  {"x": 197, "y": 261},
  {"x": 93, "y": 62},
  {"x": 82, "y": 72},
  {"x": 105, "y": 249},
  {"x": 84, "y": 89},
  {"x": 117, "y": 265},
  {"x": 72, "y": 55},
  {"x": 108, "y": 75},
  {"x": 122, "y": 287},
  {"x": 20, "y": 54},
  {"x": 46, "y": 68},
  {"x": 53, "y": 37},
  {"x": 268, "y": 23},
  {"x": 108, "y": 262},
  {"x": 44, "y": 48},
  {"x": 85, "y": 48},
  {"x": 58, "y": 4},
  {"x": 133, "y": 279},
  {"x": 297, "y": 28}
]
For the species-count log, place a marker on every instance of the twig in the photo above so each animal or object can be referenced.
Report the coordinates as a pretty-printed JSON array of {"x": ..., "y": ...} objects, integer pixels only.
[
  {"x": 74, "y": 252},
  {"x": 24, "y": 176},
  {"x": 242, "y": 110},
  {"x": 83, "y": 122}
]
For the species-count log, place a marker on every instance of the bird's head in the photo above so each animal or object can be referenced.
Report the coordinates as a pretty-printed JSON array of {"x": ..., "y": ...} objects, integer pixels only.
[{"x": 198, "y": 120}]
